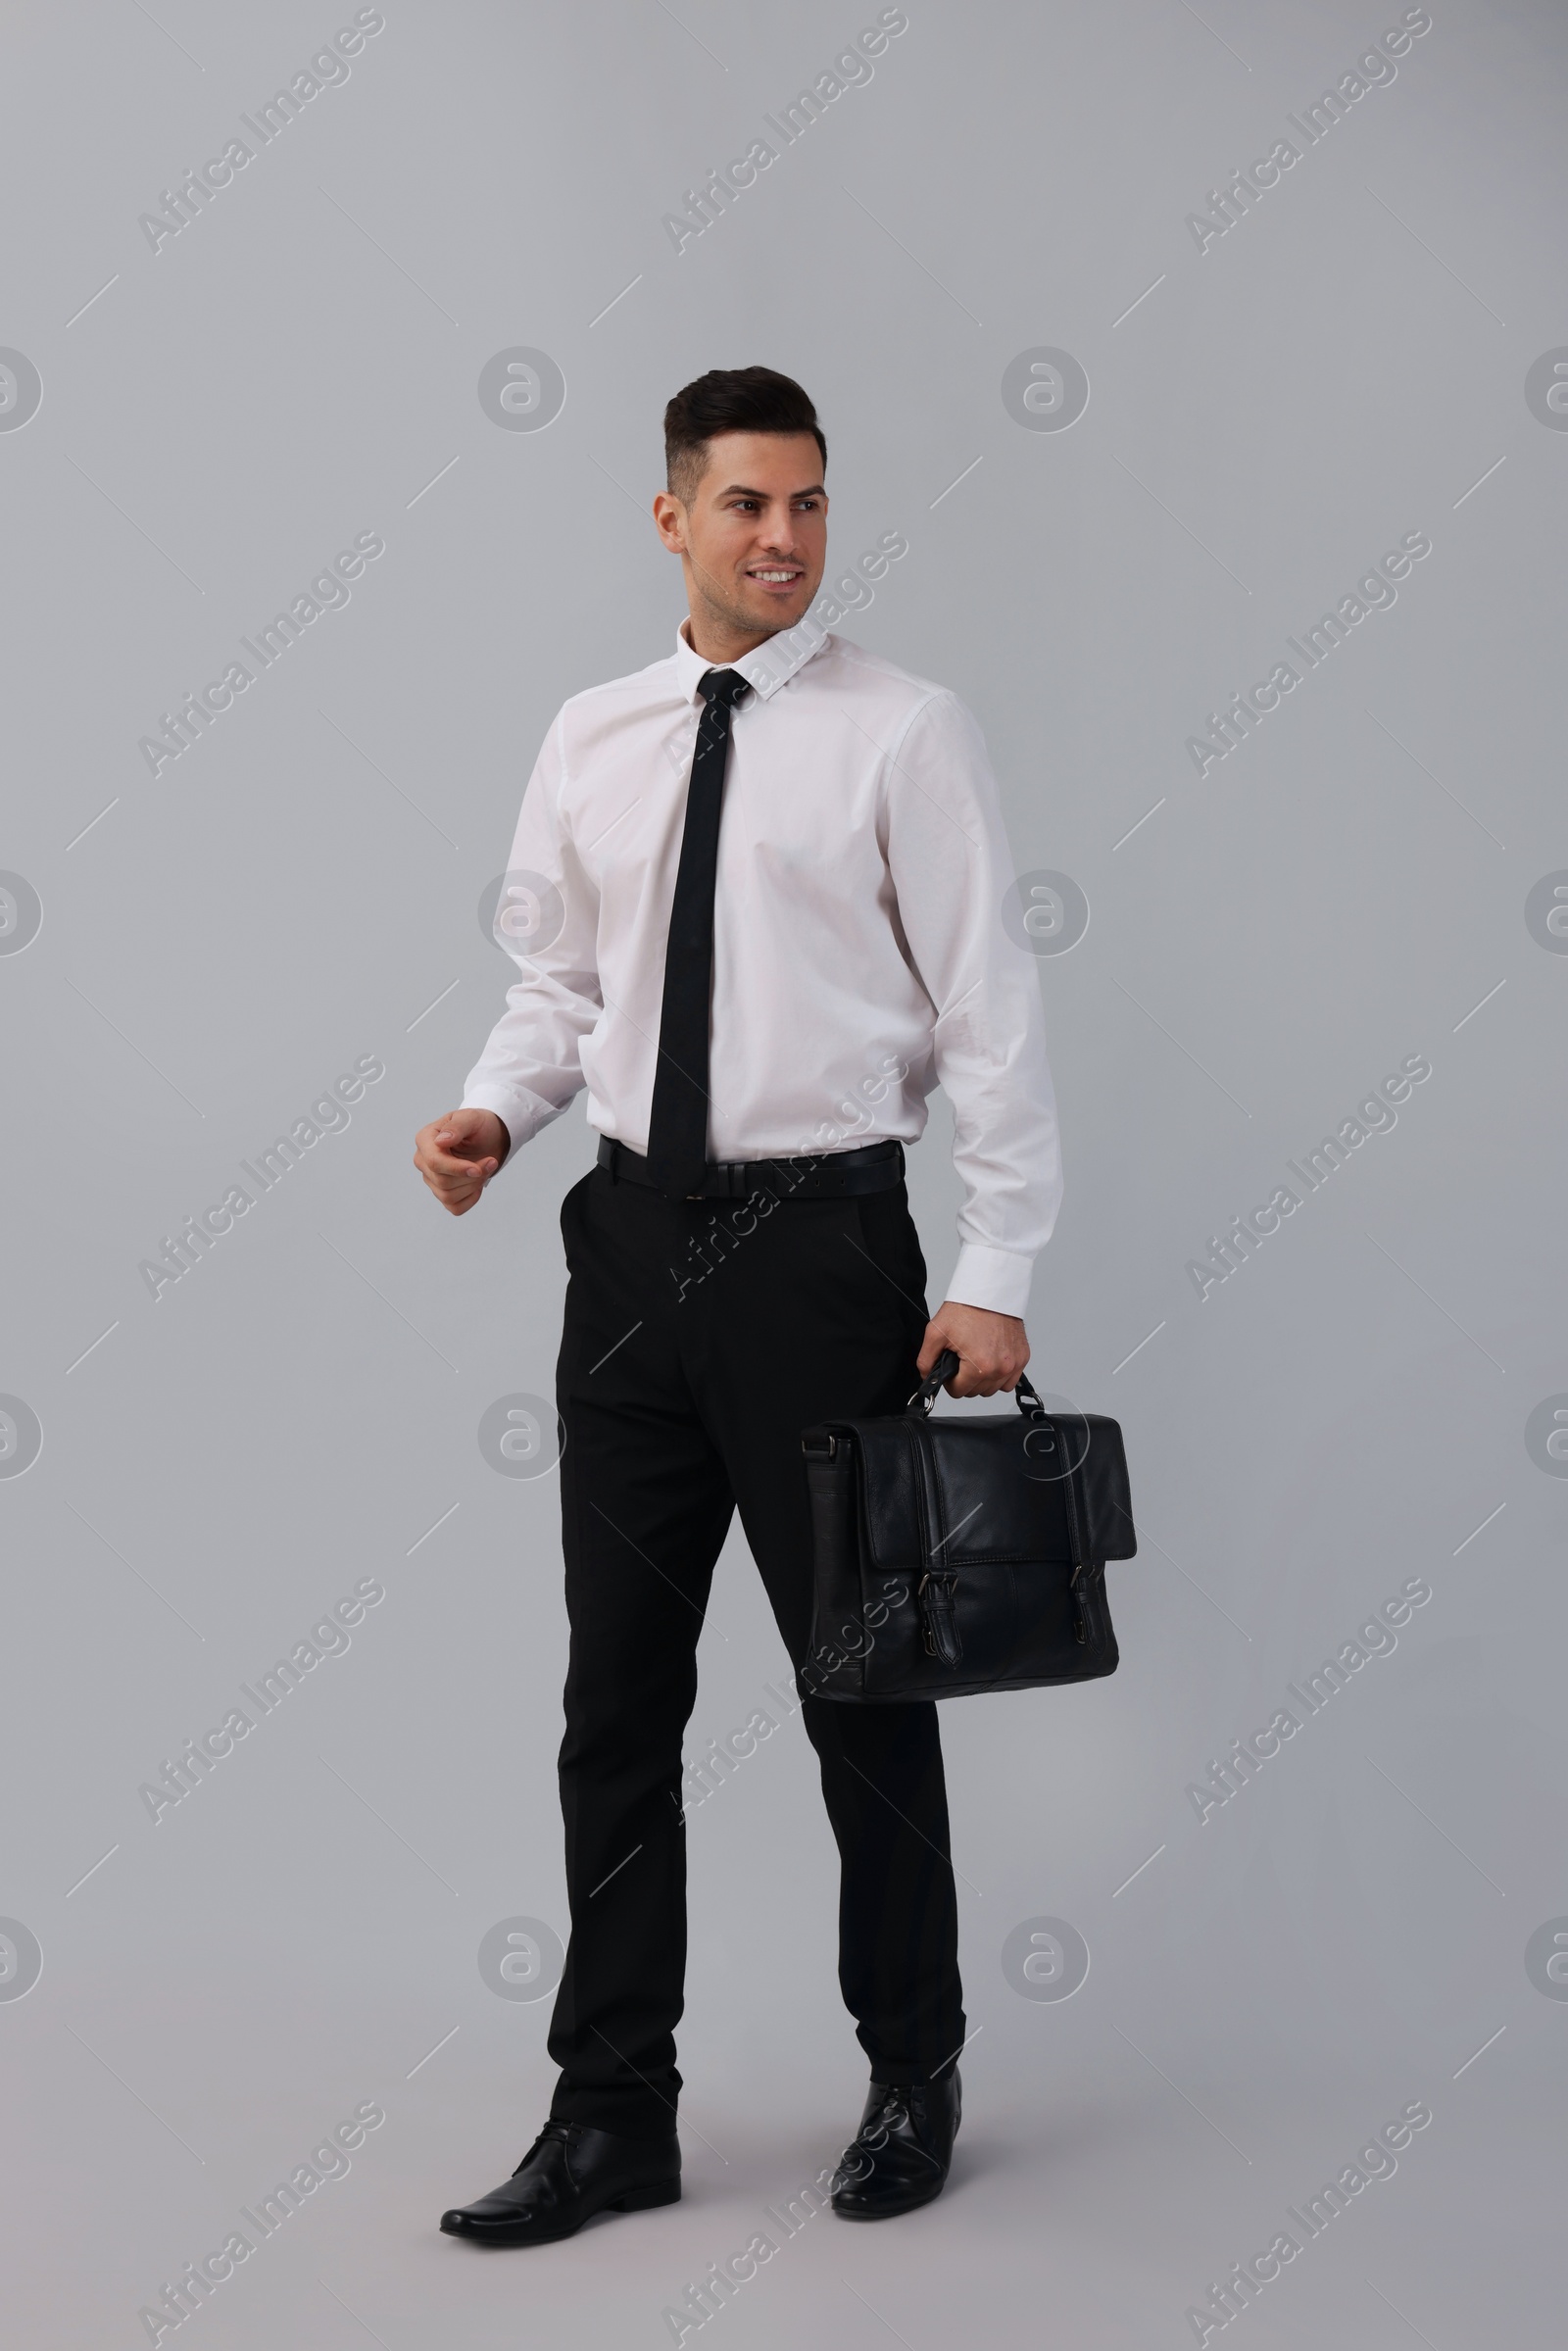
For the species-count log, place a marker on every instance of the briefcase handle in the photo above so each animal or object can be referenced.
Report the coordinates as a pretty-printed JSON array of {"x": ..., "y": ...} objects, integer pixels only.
[{"x": 946, "y": 1364}]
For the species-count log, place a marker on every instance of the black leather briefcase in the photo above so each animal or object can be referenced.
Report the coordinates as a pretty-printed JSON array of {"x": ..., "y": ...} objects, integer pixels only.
[{"x": 962, "y": 1554}]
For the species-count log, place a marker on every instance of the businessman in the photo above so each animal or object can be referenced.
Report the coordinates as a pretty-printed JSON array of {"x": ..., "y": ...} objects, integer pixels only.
[{"x": 756, "y": 894}]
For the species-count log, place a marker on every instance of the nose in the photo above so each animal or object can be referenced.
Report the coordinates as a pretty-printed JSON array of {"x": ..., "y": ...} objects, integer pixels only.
[{"x": 776, "y": 534}]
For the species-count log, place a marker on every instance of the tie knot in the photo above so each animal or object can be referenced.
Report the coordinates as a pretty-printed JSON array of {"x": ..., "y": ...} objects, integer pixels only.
[{"x": 725, "y": 686}]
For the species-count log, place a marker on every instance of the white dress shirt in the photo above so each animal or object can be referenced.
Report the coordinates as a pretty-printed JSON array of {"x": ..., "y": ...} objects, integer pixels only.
[{"x": 860, "y": 956}]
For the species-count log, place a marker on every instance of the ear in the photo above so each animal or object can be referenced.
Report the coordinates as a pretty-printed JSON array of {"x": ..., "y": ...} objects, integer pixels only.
[{"x": 669, "y": 518}]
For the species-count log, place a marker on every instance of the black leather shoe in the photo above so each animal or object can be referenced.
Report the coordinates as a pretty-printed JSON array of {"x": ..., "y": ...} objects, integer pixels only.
[
  {"x": 567, "y": 2175},
  {"x": 900, "y": 2154}
]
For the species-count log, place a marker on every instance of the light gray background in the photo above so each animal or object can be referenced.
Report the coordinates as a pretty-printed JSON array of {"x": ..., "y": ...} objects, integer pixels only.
[{"x": 300, "y": 888}]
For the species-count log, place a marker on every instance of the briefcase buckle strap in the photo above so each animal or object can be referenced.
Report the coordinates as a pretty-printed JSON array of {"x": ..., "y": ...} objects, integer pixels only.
[
  {"x": 938, "y": 1594},
  {"x": 1085, "y": 1612}
]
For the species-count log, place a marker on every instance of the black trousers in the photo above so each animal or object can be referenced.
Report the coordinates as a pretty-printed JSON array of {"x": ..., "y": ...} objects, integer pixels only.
[{"x": 700, "y": 1337}]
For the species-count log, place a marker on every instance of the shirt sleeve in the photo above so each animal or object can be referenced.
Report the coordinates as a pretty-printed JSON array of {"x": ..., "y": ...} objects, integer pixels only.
[
  {"x": 547, "y": 916},
  {"x": 948, "y": 853}
]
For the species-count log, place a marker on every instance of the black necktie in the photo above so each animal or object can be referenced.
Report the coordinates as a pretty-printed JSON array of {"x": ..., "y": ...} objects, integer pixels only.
[{"x": 678, "y": 1133}]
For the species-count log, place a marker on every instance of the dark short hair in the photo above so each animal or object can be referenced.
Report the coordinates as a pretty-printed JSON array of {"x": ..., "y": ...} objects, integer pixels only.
[{"x": 730, "y": 400}]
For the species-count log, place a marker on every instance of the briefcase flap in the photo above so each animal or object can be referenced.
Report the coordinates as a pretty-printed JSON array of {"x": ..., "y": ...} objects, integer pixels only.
[{"x": 968, "y": 1487}]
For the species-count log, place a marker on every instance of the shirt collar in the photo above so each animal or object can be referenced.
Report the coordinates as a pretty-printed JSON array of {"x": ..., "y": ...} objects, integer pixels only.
[{"x": 766, "y": 669}]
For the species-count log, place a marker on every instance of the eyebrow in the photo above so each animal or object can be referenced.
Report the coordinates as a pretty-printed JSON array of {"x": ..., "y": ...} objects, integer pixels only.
[{"x": 738, "y": 489}]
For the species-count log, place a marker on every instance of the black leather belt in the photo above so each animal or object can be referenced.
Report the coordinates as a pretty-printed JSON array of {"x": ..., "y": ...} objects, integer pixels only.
[{"x": 822, "y": 1175}]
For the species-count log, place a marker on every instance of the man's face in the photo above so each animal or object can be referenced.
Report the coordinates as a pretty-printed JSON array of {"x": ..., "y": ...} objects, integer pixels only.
[{"x": 754, "y": 539}]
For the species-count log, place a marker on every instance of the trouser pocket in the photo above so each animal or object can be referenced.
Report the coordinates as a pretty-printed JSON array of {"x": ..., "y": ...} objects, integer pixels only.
[{"x": 888, "y": 1240}]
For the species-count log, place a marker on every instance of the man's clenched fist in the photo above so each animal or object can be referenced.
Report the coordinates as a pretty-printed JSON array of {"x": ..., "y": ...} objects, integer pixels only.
[
  {"x": 457, "y": 1155},
  {"x": 992, "y": 1348}
]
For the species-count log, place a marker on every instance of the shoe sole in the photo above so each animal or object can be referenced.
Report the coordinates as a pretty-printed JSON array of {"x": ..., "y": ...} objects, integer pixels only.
[
  {"x": 847, "y": 2213},
  {"x": 644, "y": 2199},
  {"x": 635, "y": 2199}
]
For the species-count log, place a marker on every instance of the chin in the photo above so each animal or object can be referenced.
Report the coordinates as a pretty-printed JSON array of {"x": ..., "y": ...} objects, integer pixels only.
[{"x": 778, "y": 616}]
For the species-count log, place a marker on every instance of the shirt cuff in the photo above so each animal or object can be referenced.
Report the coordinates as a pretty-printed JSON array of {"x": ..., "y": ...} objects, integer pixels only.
[
  {"x": 995, "y": 1279},
  {"x": 505, "y": 1105}
]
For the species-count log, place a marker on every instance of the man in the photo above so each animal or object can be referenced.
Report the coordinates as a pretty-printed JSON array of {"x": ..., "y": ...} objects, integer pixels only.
[{"x": 755, "y": 898}]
